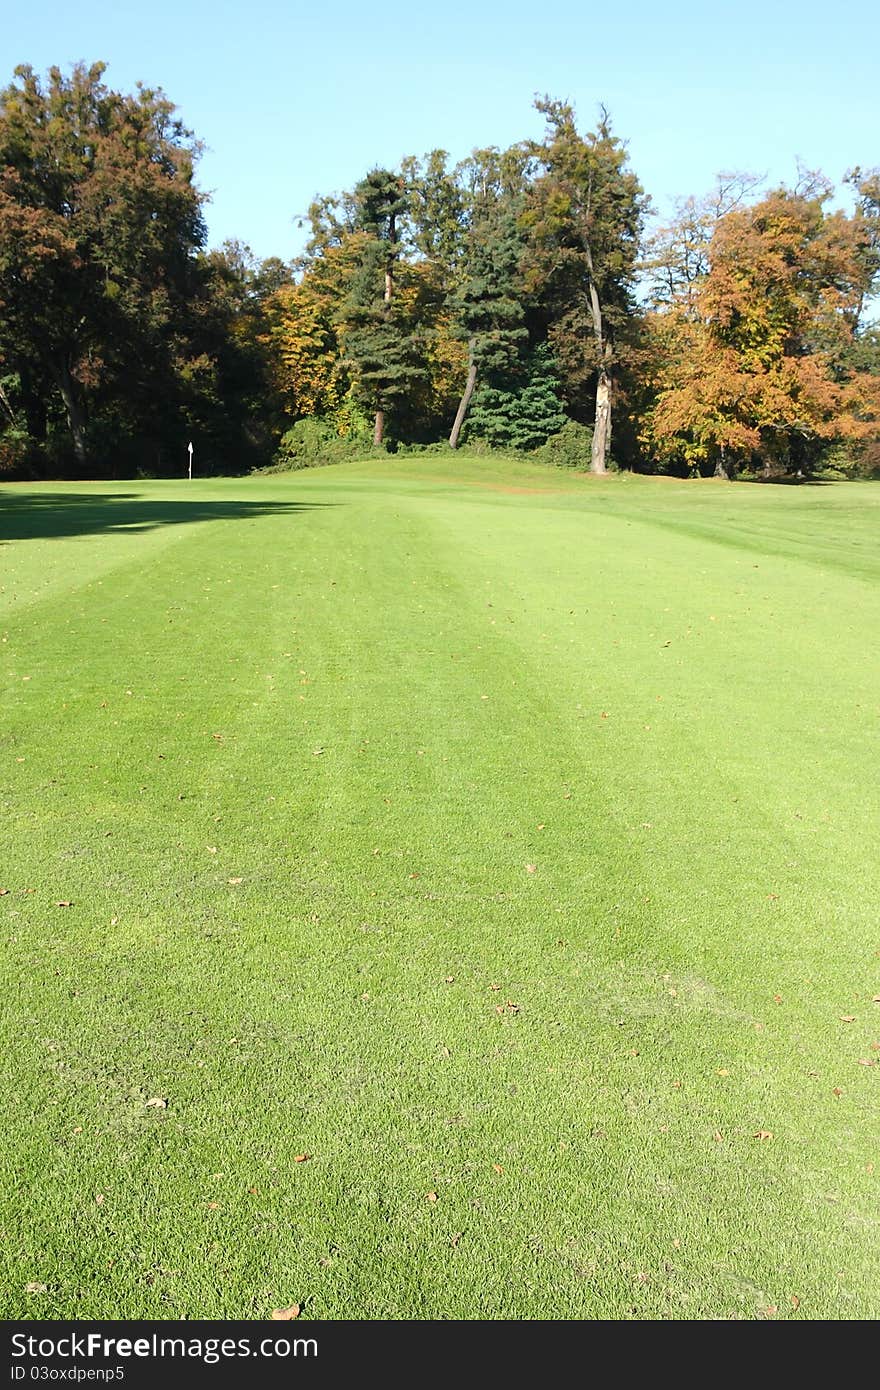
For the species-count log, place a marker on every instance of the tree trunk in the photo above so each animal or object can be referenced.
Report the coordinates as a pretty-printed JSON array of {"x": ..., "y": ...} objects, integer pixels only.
[
  {"x": 466, "y": 397},
  {"x": 721, "y": 466},
  {"x": 379, "y": 423},
  {"x": 4, "y": 401},
  {"x": 602, "y": 427},
  {"x": 75, "y": 414}
]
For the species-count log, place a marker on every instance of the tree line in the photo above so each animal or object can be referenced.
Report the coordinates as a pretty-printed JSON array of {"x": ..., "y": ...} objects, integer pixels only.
[{"x": 521, "y": 299}]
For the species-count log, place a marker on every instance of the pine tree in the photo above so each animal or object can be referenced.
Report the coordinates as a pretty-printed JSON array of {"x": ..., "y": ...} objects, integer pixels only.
[
  {"x": 383, "y": 351},
  {"x": 518, "y": 406},
  {"x": 488, "y": 302}
]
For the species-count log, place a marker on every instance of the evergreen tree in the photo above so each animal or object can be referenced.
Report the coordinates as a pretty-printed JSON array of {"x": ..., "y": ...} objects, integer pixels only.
[
  {"x": 488, "y": 300},
  {"x": 383, "y": 350},
  {"x": 518, "y": 406}
]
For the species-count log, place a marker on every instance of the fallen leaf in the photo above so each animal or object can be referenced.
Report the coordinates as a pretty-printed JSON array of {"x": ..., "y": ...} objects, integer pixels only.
[
  {"x": 213, "y": 1206},
  {"x": 431, "y": 1196},
  {"x": 795, "y": 1301},
  {"x": 235, "y": 880},
  {"x": 867, "y": 1061},
  {"x": 495, "y": 987},
  {"x": 718, "y": 1137},
  {"x": 158, "y": 1103},
  {"x": 212, "y": 849},
  {"x": 456, "y": 1238},
  {"x": 100, "y": 1199},
  {"x": 35, "y": 1288},
  {"x": 722, "y": 1071},
  {"x": 301, "y": 1158},
  {"x": 64, "y": 903},
  {"x": 762, "y": 1134},
  {"x": 837, "y": 1091},
  {"x": 285, "y": 1314},
  {"x": 771, "y": 1311},
  {"x": 676, "y": 1244},
  {"x": 531, "y": 868},
  {"x": 450, "y": 979},
  {"x": 3, "y": 892},
  {"x": 875, "y": 999},
  {"x": 497, "y": 1167},
  {"x": 777, "y": 999},
  {"x": 847, "y": 1018}
]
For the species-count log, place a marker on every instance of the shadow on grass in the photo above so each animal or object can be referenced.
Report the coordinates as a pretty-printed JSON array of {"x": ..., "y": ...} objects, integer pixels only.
[{"x": 48, "y": 515}]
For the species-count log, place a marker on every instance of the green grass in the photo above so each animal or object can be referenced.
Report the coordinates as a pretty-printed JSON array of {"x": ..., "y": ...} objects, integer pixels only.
[{"x": 287, "y": 746}]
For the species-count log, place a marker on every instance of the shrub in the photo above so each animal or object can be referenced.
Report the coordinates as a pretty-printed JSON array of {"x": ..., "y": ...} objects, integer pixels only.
[
  {"x": 571, "y": 447},
  {"x": 320, "y": 439},
  {"x": 18, "y": 454},
  {"x": 851, "y": 459}
]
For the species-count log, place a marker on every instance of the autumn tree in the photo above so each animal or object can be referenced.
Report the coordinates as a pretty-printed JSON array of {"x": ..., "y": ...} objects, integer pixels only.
[
  {"x": 584, "y": 216},
  {"x": 676, "y": 256},
  {"x": 100, "y": 229},
  {"x": 303, "y": 334},
  {"x": 761, "y": 362}
]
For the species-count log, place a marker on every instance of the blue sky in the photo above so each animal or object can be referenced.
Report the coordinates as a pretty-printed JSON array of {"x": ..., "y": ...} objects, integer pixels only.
[{"x": 294, "y": 99}]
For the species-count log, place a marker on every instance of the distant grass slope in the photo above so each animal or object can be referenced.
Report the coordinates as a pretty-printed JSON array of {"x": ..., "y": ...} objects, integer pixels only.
[{"x": 440, "y": 891}]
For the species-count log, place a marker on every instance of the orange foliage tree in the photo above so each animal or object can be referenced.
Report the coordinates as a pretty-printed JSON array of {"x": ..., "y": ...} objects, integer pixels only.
[{"x": 756, "y": 361}]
